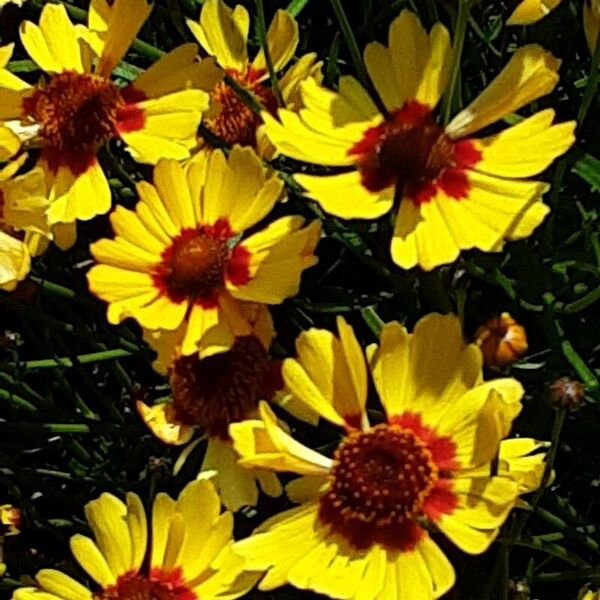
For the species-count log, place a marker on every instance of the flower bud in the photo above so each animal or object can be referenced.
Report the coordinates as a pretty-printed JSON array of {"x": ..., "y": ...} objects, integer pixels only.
[
  {"x": 502, "y": 341},
  {"x": 10, "y": 520},
  {"x": 567, "y": 393},
  {"x": 591, "y": 22}
]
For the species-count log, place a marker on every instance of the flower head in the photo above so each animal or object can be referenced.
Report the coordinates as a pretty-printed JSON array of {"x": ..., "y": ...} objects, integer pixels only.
[
  {"x": 361, "y": 529},
  {"x": 451, "y": 191},
  {"x": 208, "y": 395},
  {"x": 223, "y": 33},
  {"x": 187, "y": 553},
  {"x": 180, "y": 261},
  {"x": 77, "y": 108},
  {"x": 567, "y": 393},
  {"x": 502, "y": 341}
]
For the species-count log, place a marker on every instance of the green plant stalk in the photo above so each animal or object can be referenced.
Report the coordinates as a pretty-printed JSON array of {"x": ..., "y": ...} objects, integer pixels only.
[
  {"x": 591, "y": 87},
  {"x": 261, "y": 29},
  {"x": 17, "y": 401},
  {"x": 374, "y": 322},
  {"x": 460, "y": 30},
  {"x": 295, "y": 7},
  {"x": 348, "y": 34},
  {"x": 94, "y": 357}
]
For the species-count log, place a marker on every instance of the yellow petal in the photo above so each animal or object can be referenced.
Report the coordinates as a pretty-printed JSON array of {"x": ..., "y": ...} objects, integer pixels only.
[
  {"x": 527, "y": 148},
  {"x": 171, "y": 183},
  {"x": 54, "y": 45},
  {"x": 163, "y": 510},
  {"x": 520, "y": 460},
  {"x": 92, "y": 560},
  {"x": 161, "y": 421},
  {"x": 391, "y": 370},
  {"x": 265, "y": 444},
  {"x": 222, "y": 33},
  {"x": 107, "y": 518},
  {"x": 530, "y": 74},
  {"x": 282, "y": 41},
  {"x": 531, "y": 11},
  {"x": 344, "y": 195},
  {"x": 77, "y": 196},
  {"x": 278, "y": 256},
  {"x": 126, "y": 19},
  {"x": 15, "y": 262},
  {"x": 62, "y": 585},
  {"x": 9, "y": 143}
]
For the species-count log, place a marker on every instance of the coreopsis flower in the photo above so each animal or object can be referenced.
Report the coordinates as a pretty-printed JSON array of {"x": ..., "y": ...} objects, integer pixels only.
[
  {"x": 223, "y": 34},
  {"x": 180, "y": 261},
  {"x": 211, "y": 393},
  {"x": 591, "y": 22},
  {"x": 186, "y": 554},
  {"x": 590, "y": 595},
  {"x": 361, "y": 530},
  {"x": 10, "y": 520},
  {"x": 77, "y": 108},
  {"x": 23, "y": 222},
  {"x": 451, "y": 191},
  {"x": 531, "y": 11},
  {"x": 502, "y": 340}
]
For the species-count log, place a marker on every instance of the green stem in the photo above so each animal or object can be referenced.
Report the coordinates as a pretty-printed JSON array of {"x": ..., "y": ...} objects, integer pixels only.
[
  {"x": 93, "y": 357},
  {"x": 460, "y": 30},
  {"x": 17, "y": 401},
  {"x": 348, "y": 34},
  {"x": 54, "y": 288},
  {"x": 590, "y": 88},
  {"x": 295, "y": 7},
  {"x": 373, "y": 320},
  {"x": 261, "y": 28}
]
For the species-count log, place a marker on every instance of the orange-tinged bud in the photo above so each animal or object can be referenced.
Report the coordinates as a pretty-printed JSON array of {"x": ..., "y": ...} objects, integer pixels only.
[
  {"x": 10, "y": 520},
  {"x": 502, "y": 341}
]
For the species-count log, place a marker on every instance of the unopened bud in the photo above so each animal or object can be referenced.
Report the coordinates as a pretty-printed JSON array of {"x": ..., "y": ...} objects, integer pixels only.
[
  {"x": 502, "y": 341},
  {"x": 567, "y": 393},
  {"x": 10, "y": 520}
]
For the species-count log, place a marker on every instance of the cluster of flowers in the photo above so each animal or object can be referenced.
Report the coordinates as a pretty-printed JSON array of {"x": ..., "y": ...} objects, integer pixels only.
[{"x": 190, "y": 265}]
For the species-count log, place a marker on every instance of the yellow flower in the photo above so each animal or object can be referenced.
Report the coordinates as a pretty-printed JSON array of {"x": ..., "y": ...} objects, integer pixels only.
[
  {"x": 23, "y": 223},
  {"x": 589, "y": 595},
  {"x": 531, "y": 11},
  {"x": 223, "y": 33},
  {"x": 591, "y": 22},
  {"x": 211, "y": 393},
  {"x": 179, "y": 261},
  {"x": 455, "y": 192},
  {"x": 189, "y": 551},
  {"x": 360, "y": 531},
  {"x": 502, "y": 341},
  {"x": 77, "y": 108}
]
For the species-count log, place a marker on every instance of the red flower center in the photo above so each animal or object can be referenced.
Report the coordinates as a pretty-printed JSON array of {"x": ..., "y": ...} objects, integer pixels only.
[
  {"x": 379, "y": 481},
  {"x": 159, "y": 586},
  {"x": 224, "y": 388},
  {"x": 77, "y": 113},
  {"x": 411, "y": 151},
  {"x": 197, "y": 263},
  {"x": 234, "y": 122}
]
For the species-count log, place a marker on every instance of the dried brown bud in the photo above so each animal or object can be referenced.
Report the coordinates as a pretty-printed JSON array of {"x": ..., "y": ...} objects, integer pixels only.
[
  {"x": 567, "y": 393},
  {"x": 502, "y": 341}
]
